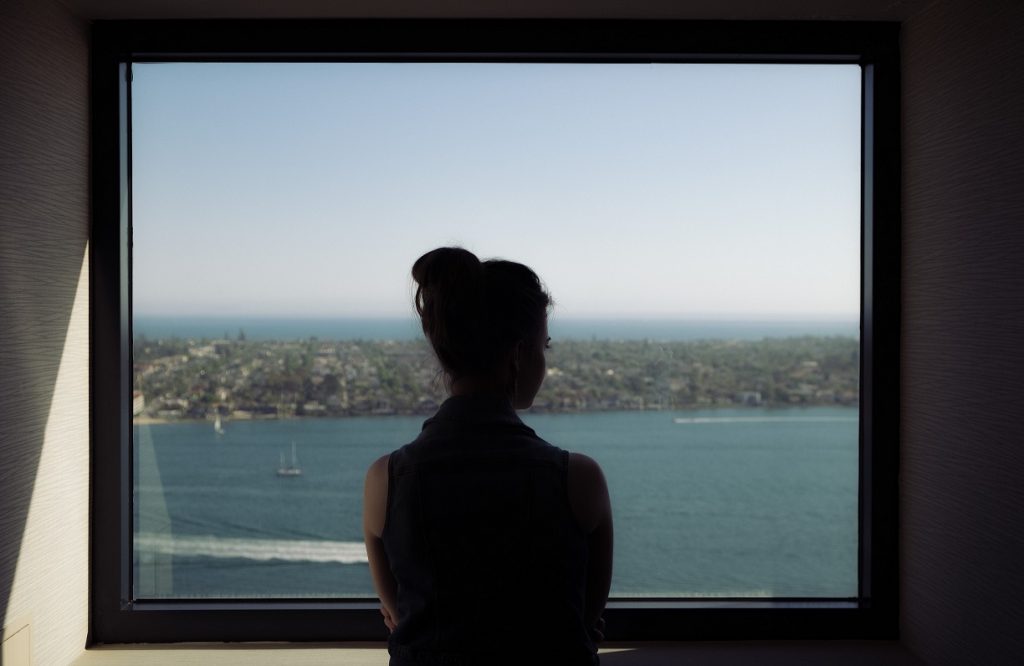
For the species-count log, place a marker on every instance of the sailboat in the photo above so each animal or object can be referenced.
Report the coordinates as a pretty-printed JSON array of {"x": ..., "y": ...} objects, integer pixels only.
[
  {"x": 290, "y": 470},
  {"x": 217, "y": 427}
]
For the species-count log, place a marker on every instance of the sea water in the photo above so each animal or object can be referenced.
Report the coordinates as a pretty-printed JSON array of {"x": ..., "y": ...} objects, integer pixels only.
[{"x": 724, "y": 502}]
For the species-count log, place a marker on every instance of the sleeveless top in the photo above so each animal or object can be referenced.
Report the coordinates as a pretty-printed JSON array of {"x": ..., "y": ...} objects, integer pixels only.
[{"x": 489, "y": 559}]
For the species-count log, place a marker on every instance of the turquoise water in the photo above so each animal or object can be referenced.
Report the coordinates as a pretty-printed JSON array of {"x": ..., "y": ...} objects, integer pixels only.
[{"x": 742, "y": 502}]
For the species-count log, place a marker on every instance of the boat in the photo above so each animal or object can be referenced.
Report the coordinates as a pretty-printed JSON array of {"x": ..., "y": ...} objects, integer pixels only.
[
  {"x": 292, "y": 469},
  {"x": 217, "y": 427}
]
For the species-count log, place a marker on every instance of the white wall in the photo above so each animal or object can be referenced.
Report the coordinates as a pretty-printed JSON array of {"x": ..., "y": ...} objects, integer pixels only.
[{"x": 44, "y": 336}]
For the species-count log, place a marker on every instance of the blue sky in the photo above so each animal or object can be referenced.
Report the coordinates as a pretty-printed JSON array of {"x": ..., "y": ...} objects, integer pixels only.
[{"x": 661, "y": 191}]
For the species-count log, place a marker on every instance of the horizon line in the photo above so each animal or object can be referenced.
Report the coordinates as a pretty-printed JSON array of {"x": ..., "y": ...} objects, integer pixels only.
[{"x": 716, "y": 317}]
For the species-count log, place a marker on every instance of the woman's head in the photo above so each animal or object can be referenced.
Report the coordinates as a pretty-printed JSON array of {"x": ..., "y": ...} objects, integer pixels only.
[{"x": 487, "y": 321}]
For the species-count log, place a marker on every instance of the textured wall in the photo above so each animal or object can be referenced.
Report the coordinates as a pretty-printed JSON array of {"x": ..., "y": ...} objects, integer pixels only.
[
  {"x": 963, "y": 443},
  {"x": 963, "y": 299},
  {"x": 44, "y": 322}
]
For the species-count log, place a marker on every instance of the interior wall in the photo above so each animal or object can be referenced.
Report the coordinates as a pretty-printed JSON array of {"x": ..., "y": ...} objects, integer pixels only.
[
  {"x": 44, "y": 332},
  {"x": 963, "y": 294},
  {"x": 963, "y": 328}
]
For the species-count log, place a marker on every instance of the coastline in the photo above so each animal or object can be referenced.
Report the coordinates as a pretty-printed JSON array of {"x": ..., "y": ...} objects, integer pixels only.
[
  {"x": 265, "y": 380},
  {"x": 152, "y": 420}
]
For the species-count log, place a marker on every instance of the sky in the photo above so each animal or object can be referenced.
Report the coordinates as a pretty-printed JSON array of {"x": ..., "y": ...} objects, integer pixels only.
[{"x": 634, "y": 190}]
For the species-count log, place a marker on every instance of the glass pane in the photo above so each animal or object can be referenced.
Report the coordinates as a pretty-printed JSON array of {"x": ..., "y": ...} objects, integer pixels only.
[{"x": 697, "y": 225}]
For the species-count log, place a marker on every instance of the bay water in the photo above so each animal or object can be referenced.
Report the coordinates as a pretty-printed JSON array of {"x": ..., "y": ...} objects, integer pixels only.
[{"x": 750, "y": 502}]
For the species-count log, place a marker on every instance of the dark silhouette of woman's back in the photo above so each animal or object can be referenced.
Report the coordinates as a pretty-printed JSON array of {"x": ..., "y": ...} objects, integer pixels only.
[{"x": 486, "y": 543}]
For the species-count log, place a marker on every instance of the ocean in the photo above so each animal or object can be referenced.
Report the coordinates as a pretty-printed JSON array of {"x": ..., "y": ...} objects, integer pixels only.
[
  {"x": 399, "y": 328},
  {"x": 720, "y": 502}
]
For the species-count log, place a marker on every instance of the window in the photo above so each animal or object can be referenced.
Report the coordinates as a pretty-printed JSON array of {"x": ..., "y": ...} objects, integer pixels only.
[{"x": 146, "y": 476}]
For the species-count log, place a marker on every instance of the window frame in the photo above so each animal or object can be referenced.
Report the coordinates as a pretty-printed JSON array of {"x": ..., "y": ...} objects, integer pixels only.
[{"x": 116, "y": 618}]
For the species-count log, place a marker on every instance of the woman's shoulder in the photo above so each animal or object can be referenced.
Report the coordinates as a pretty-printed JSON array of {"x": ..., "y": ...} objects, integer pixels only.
[
  {"x": 588, "y": 491},
  {"x": 379, "y": 467},
  {"x": 585, "y": 471},
  {"x": 375, "y": 496}
]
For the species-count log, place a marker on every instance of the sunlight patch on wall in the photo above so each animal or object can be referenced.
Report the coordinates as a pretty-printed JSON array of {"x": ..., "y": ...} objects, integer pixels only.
[{"x": 50, "y": 580}]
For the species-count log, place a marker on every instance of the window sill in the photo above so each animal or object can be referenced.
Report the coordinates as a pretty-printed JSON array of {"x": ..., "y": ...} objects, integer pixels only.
[{"x": 837, "y": 653}]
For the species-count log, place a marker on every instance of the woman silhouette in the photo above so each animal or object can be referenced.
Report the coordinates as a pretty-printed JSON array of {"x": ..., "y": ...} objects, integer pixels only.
[{"x": 487, "y": 545}]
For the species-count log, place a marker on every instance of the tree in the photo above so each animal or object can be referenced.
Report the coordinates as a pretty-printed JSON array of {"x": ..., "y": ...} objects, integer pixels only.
[{"x": 331, "y": 385}]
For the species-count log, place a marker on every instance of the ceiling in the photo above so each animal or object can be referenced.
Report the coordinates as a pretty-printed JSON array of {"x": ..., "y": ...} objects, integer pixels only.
[{"x": 879, "y": 10}]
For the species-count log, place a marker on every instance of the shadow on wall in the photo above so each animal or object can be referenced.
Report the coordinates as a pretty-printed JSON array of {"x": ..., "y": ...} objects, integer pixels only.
[{"x": 44, "y": 208}]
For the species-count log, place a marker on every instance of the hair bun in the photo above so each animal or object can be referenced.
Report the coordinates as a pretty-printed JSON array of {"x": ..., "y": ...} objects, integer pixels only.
[
  {"x": 473, "y": 312},
  {"x": 449, "y": 300},
  {"x": 445, "y": 266}
]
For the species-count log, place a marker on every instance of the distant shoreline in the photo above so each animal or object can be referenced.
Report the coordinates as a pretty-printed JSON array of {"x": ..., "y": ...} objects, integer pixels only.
[
  {"x": 407, "y": 328},
  {"x": 150, "y": 420},
  {"x": 153, "y": 420}
]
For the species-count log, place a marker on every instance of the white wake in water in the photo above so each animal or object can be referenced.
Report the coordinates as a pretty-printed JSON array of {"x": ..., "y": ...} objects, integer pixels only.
[
  {"x": 343, "y": 552},
  {"x": 764, "y": 419}
]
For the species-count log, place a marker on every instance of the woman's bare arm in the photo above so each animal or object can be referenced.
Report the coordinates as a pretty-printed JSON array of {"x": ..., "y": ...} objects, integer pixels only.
[
  {"x": 588, "y": 497},
  {"x": 375, "y": 500}
]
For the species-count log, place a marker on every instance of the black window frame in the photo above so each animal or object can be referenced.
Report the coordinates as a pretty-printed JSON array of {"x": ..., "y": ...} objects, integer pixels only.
[{"x": 116, "y": 618}]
